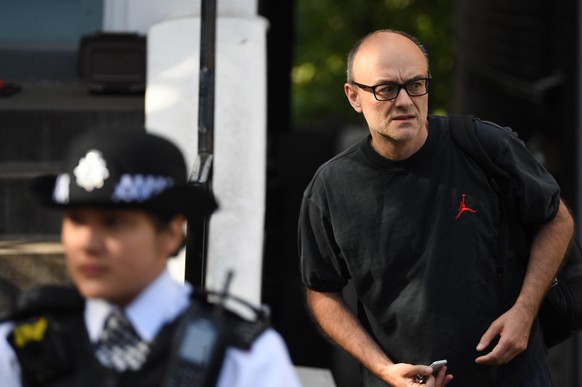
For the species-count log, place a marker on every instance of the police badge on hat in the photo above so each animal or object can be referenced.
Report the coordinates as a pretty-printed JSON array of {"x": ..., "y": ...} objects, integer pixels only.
[
  {"x": 91, "y": 171},
  {"x": 128, "y": 169}
]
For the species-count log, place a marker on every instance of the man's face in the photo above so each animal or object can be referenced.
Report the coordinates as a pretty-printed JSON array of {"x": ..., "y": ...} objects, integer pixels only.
[
  {"x": 389, "y": 57},
  {"x": 114, "y": 254}
]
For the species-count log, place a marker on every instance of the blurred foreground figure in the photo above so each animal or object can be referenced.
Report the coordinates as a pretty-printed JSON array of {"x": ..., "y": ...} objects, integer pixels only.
[{"x": 126, "y": 322}]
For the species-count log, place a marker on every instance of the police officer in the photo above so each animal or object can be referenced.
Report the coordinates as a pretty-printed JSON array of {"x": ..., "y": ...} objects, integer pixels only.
[{"x": 125, "y": 202}]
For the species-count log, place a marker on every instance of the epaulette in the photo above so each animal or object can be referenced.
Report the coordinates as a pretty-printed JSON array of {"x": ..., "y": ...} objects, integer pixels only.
[
  {"x": 39, "y": 338},
  {"x": 43, "y": 299},
  {"x": 244, "y": 332},
  {"x": 241, "y": 332}
]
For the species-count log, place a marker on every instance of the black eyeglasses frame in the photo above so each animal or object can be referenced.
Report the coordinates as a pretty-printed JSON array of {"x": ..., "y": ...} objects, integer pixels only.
[{"x": 400, "y": 86}]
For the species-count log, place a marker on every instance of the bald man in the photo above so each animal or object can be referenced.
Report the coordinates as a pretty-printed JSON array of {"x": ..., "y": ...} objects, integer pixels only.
[{"x": 412, "y": 222}]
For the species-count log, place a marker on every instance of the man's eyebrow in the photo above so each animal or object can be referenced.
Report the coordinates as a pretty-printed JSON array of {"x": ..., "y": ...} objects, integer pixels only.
[{"x": 415, "y": 78}]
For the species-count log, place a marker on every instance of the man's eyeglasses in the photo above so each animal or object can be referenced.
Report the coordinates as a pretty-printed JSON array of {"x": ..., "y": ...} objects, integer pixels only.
[{"x": 390, "y": 90}]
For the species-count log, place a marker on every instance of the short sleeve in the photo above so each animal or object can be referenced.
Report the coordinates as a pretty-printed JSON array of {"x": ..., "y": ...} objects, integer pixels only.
[{"x": 322, "y": 266}]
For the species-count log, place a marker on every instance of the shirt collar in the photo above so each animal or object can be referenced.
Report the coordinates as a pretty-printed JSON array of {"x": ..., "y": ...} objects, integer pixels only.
[{"x": 161, "y": 302}]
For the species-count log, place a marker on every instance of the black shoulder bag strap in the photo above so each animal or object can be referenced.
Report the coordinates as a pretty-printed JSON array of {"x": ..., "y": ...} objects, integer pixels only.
[
  {"x": 560, "y": 314},
  {"x": 465, "y": 136}
]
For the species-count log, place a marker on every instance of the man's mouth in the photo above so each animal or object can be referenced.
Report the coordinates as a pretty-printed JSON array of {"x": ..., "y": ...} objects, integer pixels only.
[{"x": 404, "y": 117}]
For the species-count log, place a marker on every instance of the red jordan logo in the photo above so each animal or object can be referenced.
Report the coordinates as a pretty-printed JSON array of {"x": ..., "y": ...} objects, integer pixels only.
[{"x": 463, "y": 207}]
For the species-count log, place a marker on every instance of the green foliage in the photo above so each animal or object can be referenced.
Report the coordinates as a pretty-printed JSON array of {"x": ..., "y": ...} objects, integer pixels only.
[{"x": 327, "y": 29}]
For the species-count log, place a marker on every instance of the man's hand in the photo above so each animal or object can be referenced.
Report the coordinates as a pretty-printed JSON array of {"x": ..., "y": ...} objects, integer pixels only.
[
  {"x": 337, "y": 320},
  {"x": 403, "y": 375},
  {"x": 513, "y": 329},
  {"x": 546, "y": 255}
]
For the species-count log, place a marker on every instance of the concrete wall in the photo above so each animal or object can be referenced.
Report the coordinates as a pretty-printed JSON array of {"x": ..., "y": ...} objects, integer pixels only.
[{"x": 173, "y": 28}]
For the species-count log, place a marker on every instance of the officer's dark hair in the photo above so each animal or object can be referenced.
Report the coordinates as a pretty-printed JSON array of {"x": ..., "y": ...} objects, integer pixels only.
[{"x": 161, "y": 223}]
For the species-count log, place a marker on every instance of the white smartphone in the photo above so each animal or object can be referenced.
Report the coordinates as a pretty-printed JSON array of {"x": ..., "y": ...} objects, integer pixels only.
[{"x": 436, "y": 365}]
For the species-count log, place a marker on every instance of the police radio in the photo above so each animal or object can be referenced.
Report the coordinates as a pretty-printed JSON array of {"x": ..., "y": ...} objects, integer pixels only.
[{"x": 199, "y": 346}]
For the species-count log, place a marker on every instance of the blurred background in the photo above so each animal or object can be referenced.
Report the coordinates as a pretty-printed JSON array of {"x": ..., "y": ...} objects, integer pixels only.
[{"x": 514, "y": 62}]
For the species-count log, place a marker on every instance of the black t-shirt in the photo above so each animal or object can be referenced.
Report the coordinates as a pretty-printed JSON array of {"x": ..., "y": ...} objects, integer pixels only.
[{"x": 418, "y": 239}]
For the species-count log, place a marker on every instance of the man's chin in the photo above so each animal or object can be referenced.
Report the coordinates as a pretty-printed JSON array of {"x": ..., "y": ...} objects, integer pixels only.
[{"x": 403, "y": 133}]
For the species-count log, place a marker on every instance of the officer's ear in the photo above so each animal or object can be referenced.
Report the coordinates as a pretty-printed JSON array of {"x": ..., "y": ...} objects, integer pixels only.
[
  {"x": 174, "y": 235},
  {"x": 353, "y": 96}
]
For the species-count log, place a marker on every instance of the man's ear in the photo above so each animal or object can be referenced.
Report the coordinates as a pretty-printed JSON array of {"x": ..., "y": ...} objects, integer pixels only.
[{"x": 353, "y": 96}]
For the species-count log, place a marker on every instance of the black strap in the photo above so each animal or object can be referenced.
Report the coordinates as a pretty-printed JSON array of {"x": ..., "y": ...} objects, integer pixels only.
[
  {"x": 39, "y": 300},
  {"x": 464, "y": 134}
]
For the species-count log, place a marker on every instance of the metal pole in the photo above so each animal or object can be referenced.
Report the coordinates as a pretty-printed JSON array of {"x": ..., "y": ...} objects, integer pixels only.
[
  {"x": 579, "y": 170},
  {"x": 197, "y": 235}
]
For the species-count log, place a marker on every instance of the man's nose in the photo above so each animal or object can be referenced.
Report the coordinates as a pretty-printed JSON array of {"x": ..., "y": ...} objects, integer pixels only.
[{"x": 403, "y": 98}]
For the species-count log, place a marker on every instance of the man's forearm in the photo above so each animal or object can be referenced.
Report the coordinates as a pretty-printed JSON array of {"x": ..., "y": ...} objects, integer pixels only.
[
  {"x": 514, "y": 326},
  {"x": 546, "y": 256},
  {"x": 339, "y": 323}
]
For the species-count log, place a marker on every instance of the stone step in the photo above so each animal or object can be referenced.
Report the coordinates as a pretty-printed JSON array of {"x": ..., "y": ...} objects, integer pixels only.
[
  {"x": 36, "y": 126},
  {"x": 21, "y": 216}
]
